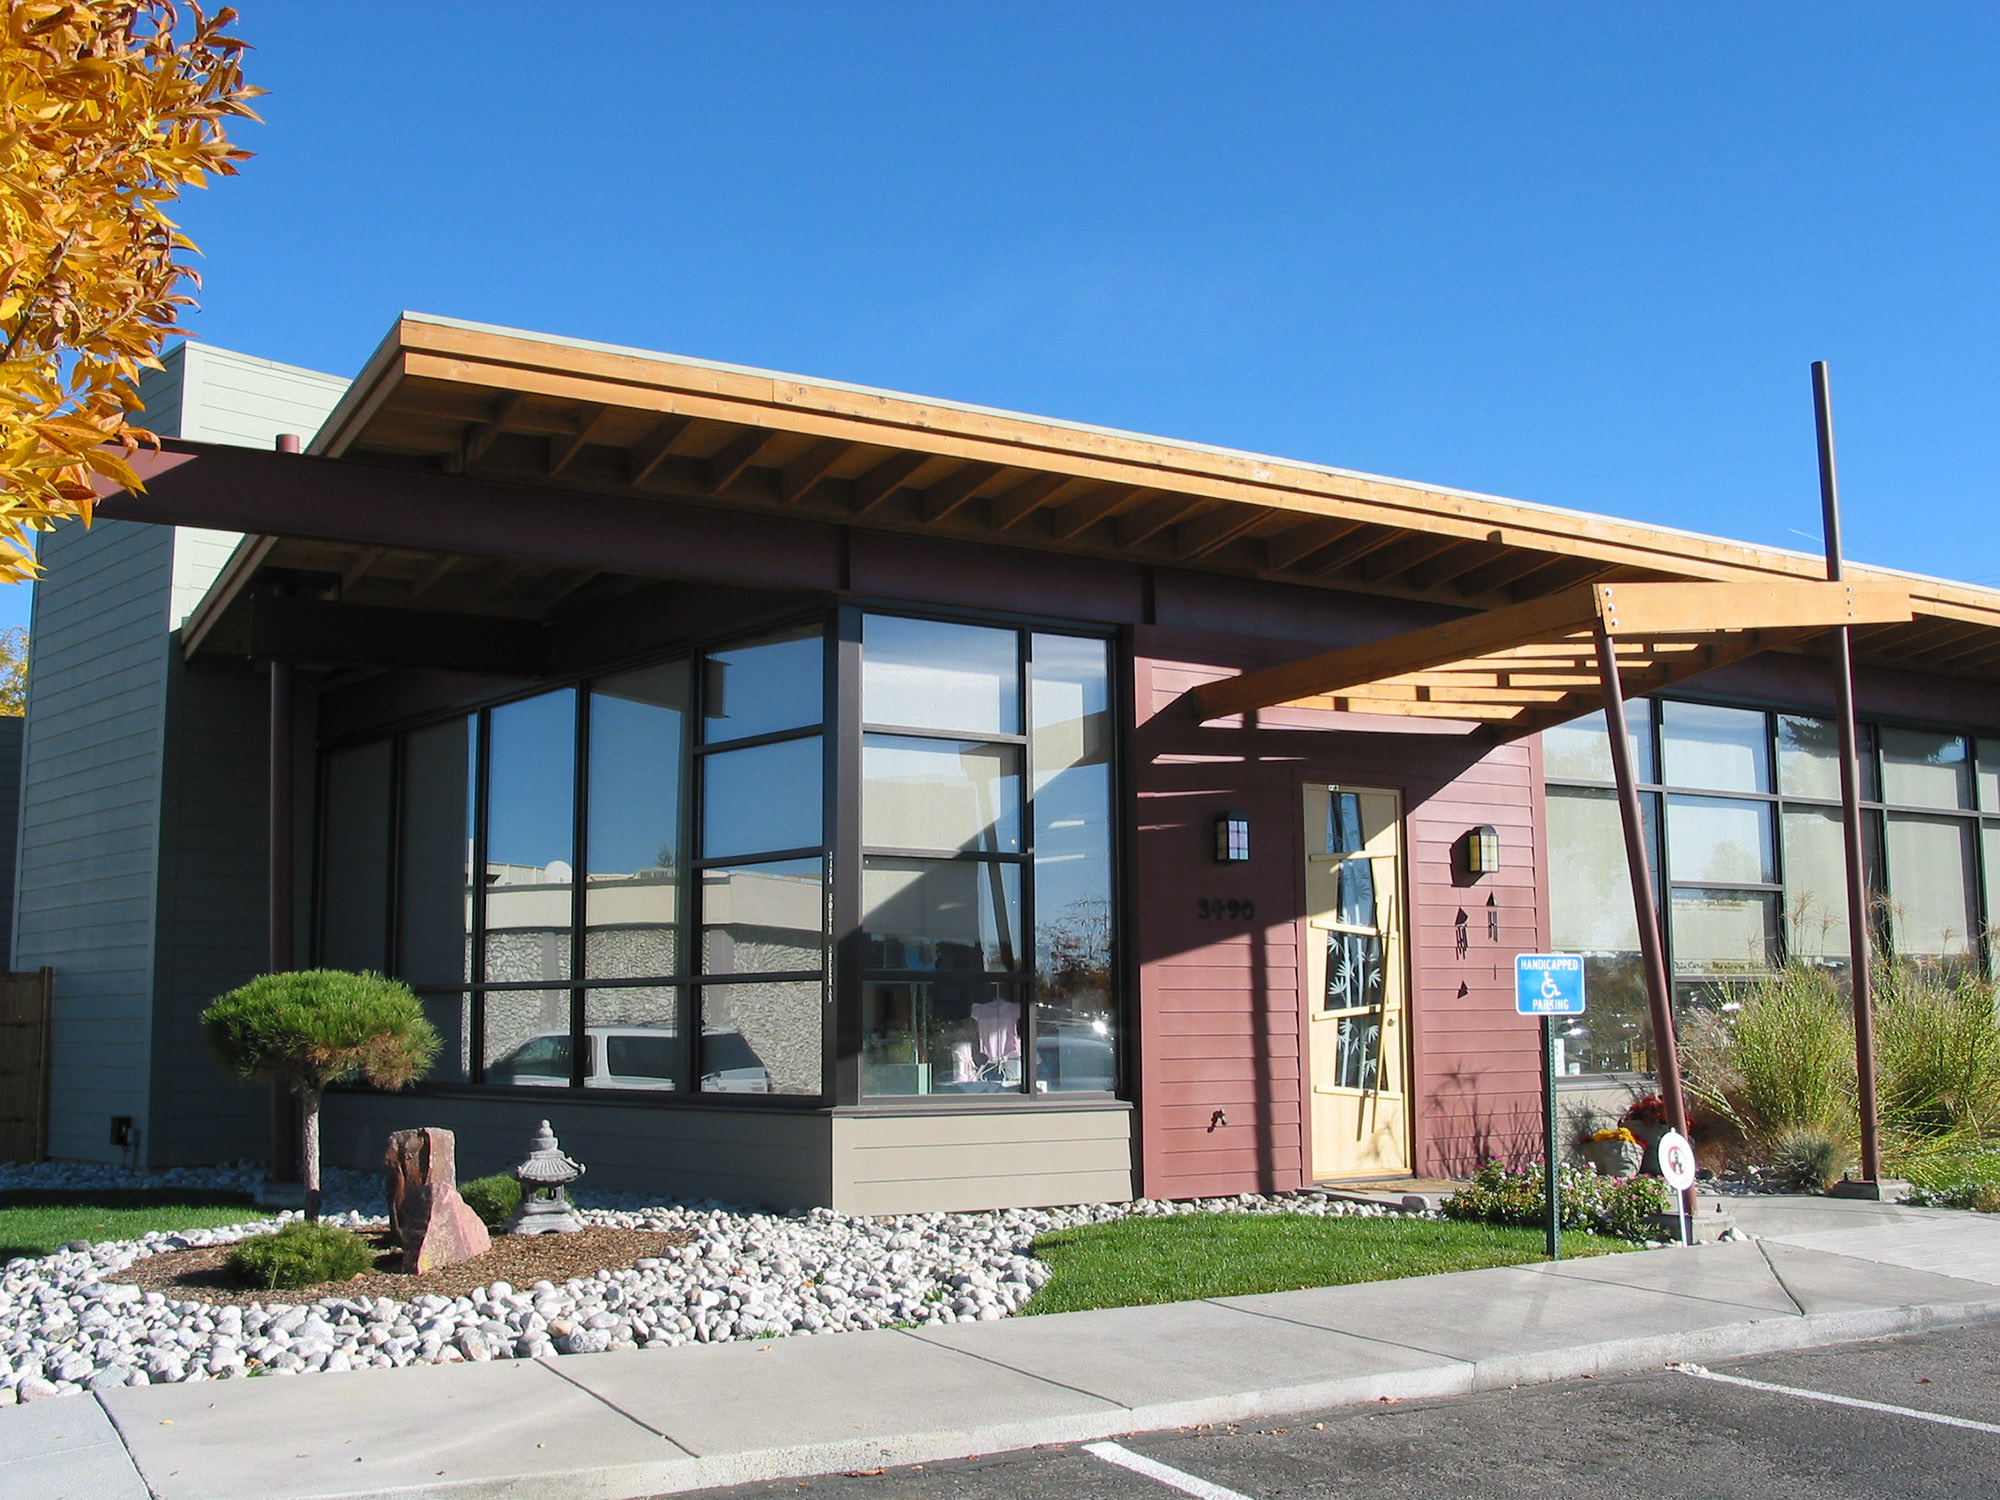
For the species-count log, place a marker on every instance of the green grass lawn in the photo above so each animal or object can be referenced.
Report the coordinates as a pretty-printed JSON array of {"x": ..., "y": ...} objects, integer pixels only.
[
  {"x": 1131, "y": 1262},
  {"x": 34, "y": 1222}
]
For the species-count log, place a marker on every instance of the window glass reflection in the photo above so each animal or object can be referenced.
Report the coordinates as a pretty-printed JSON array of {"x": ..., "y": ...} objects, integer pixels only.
[
  {"x": 940, "y": 794},
  {"x": 1815, "y": 883},
  {"x": 1808, "y": 757},
  {"x": 777, "y": 681},
  {"x": 940, "y": 914},
  {"x": 530, "y": 797},
  {"x": 1930, "y": 885},
  {"x": 761, "y": 1037},
  {"x": 1718, "y": 931},
  {"x": 762, "y": 799},
  {"x": 434, "y": 887},
  {"x": 1719, "y": 840},
  {"x": 527, "y": 1039},
  {"x": 1717, "y": 749},
  {"x": 926, "y": 674},
  {"x": 634, "y": 1038},
  {"x": 632, "y": 889},
  {"x": 1071, "y": 729},
  {"x": 1921, "y": 768},
  {"x": 354, "y": 859},
  {"x": 763, "y": 918},
  {"x": 943, "y": 1037},
  {"x": 1581, "y": 749}
]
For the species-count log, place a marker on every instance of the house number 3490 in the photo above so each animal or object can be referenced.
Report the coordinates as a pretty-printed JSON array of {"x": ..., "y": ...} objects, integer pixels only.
[{"x": 1214, "y": 910}]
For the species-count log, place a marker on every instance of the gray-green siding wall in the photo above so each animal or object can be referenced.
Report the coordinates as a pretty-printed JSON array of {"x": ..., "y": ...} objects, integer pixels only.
[
  {"x": 89, "y": 833},
  {"x": 10, "y": 826}
]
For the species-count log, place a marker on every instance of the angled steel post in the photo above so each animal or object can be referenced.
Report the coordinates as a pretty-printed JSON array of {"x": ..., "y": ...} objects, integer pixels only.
[
  {"x": 1652, "y": 951},
  {"x": 1859, "y": 940}
]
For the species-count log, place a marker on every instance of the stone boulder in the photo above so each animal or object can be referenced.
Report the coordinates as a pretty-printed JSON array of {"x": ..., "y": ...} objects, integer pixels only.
[{"x": 427, "y": 1218}]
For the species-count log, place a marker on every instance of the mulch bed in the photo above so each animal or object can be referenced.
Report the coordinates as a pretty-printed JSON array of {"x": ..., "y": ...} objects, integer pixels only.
[{"x": 201, "y": 1275}]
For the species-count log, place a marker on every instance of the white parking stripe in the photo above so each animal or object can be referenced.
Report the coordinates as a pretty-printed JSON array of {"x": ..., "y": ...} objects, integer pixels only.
[
  {"x": 1187, "y": 1484},
  {"x": 1703, "y": 1373}
]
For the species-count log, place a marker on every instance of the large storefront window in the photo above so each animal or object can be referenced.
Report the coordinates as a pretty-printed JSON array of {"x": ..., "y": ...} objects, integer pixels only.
[
  {"x": 986, "y": 861},
  {"x": 1752, "y": 865},
  {"x": 623, "y": 884}
]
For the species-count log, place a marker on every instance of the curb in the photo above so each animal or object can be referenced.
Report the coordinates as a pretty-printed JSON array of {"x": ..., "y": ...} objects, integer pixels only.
[{"x": 1772, "y": 1335}]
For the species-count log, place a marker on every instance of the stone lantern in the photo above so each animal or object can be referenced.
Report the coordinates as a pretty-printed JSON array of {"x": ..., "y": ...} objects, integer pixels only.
[{"x": 545, "y": 1207}]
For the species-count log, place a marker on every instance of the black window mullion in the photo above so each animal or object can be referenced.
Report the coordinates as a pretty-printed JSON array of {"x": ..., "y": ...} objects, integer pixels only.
[
  {"x": 476, "y": 876},
  {"x": 1027, "y": 937},
  {"x": 843, "y": 1039},
  {"x": 579, "y": 854}
]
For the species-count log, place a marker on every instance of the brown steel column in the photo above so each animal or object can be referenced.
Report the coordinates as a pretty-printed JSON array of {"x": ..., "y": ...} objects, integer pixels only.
[
  {"x": 1659, "y": 996},
  {"x": 1859, "y": 939},
  {"x": 284, "y": 1144}
]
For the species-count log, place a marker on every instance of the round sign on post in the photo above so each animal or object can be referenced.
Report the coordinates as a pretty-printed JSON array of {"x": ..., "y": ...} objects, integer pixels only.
[{"x": 1677, "y": 1161}]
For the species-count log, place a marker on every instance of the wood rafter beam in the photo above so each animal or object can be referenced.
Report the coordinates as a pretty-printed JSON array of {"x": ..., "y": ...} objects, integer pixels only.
[
  {"x": 1005, "y": 512},
  {"x": 650, "y": 451},
  {"x": 799, "y": 476},
  {"x": 1339, "y": 558},
  {"x": 882, "y": 481},
  {"x": 1214, "y": 531},
  {"x": 1404, "y": 555},
  {"x": 1454, "y": 562},
  {"x": 590, "y": 421},
  {"x": 1154, "y": 516},
  {"x": 432, "y": 576},
  {"x": 736, "y": 455},
  {"x": 357, "y": 570},
  {"x": 1074, "y": 517},
  {"x": 950, "y": 493},
  {"x": 479, "y": 437},
  {"x": 1557, "y": 574},
  {"x": 1501, "y": 572},
  {"x": 1289, "y": 548},
  {"x": 1639, "y": 610}
]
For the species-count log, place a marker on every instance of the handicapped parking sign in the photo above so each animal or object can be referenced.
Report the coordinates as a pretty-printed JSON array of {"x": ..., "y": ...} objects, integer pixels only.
[{"x": 1548, "y": 984}]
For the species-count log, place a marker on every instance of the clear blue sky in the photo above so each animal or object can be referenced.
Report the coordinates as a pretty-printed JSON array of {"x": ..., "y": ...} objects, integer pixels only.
[{"x": 1574, "y": 254}]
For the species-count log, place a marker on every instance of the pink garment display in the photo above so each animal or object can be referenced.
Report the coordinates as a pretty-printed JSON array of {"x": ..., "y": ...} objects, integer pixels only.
[{"x": 999, "y": 1023}]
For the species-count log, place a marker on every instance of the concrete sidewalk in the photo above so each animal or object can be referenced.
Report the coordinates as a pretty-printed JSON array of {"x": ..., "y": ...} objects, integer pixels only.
[{"x": 611, "y": 1426}]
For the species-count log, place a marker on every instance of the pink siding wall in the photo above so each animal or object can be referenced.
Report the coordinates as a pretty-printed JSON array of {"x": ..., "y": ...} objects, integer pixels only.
[{"x": 1221, "y": 1012}]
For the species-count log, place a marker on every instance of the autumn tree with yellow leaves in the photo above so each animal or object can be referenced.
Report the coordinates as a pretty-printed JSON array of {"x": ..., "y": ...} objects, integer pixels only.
[{"x": 107, "y": 111}]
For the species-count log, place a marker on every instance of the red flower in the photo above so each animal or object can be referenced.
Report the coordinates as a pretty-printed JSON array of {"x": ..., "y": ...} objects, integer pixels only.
[{"x": 1651, "y": 1110}]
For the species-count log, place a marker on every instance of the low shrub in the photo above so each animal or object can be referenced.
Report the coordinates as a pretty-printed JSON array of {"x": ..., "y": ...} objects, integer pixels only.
[
  {"x": 1982, "y": 1196},
  {"x": 493, "y": 1198},
  {"x": 301, "y": 1254},
  {"x": 1810, "y": 1158},
  {"x": 1622, "y": 1207}
]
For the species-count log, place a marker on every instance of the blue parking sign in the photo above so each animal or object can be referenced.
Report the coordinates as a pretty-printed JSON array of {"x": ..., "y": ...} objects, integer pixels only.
[{"x": 1548, "y": 984}]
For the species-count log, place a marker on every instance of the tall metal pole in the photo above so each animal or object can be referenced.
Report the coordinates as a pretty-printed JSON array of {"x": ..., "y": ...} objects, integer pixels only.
[
  {"x": 1551, "y": 1167},
  {"x": 1652, "y": 951},
  {"x": 1858, "y": 936}
]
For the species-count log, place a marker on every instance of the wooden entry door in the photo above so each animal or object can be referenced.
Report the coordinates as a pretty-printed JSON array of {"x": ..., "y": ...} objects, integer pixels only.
[{"x": 1356, "y": 982}]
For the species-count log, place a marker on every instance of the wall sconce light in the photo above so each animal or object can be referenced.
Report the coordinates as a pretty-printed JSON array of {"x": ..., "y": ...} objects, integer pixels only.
[
  {"x": 1482, "y": 850},
  {"x": 1232, "y": 838}
]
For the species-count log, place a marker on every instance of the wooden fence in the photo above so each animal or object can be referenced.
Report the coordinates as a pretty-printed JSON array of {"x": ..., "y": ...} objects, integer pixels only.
[{"x": 24, "y": 1065}]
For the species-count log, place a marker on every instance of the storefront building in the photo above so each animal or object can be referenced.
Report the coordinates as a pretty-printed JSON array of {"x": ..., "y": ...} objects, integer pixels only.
[{"x": 799, "y": 794}]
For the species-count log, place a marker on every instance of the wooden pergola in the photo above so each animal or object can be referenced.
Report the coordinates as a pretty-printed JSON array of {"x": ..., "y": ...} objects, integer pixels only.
[
  {"x": 1518, "y": 670},
  {"x": 1531, "y": 666}
]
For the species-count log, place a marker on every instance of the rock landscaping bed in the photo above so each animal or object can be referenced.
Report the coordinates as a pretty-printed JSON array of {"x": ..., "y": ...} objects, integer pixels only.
[{"x": 90, "y": 1317}]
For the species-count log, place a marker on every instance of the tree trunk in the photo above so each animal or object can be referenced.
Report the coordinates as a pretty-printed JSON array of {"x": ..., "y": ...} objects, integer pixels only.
[{"x": 309, "y": 1101}]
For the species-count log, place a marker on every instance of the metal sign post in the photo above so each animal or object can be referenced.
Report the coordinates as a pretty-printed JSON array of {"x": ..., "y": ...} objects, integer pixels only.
[
  {"x": 1677, "y": 1167},
  {"x": 1548, "y": 985}
]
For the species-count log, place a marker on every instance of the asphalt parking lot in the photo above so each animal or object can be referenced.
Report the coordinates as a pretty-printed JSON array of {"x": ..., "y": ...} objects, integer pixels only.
[{"x": 1665, "y": 1432}]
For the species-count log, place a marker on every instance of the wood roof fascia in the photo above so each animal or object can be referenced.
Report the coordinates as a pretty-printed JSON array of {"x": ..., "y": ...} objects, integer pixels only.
[
  {"x": 490, "y": 357},
  {"x": 1006, "y": 511},
  {"x": 882, "y": 481},
  {"x": 1205, "y": 534},
  {"x": 479, "y": 437},
  {"x": 722, "y": 467},
  {"x": 950, "y": 493},
  {"x": 1295, "y": 545},
  {"x": 646, "y": 455},
  {"x": 798, "y": 477},
  {"x": 563, "y": 450},
  {"x": 1074, "y": 517},
  {"x": 1379, "y": 501}
]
